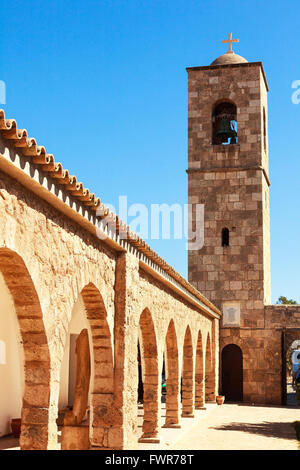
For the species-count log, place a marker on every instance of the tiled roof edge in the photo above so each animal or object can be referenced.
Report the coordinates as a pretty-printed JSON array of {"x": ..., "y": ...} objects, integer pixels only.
[{"x": 19, "y": 139}]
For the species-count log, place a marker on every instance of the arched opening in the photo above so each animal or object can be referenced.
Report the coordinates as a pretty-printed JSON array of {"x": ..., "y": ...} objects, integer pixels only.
[
  {"x": 232, "y": 373},
  {"x": 199, "y": 377},
  {"x": 187, "y": 376},
  {"x": 24, "y": 395},
  {"x": 225, "y": 236},
  {"x": 151, "y": 379},
  {"x": 292, "y": 376},
  {"x": 11, "y": 365},
  {"x": 172, "y": 379},
  {"x": 224, "y": 124},
  {"x": 89, "y": 314},
  {"x": 75, "y": 376},
  {"x": 104, "y": 420}
]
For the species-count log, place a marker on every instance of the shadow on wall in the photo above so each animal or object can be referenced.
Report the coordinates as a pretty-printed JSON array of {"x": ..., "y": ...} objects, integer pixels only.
[{"x": 268, "y": 429}]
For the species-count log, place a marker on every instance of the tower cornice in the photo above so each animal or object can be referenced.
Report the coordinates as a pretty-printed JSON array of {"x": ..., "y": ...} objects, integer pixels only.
[
  {"x": 232, "y": 168},
  {"x": 228, "y": 66}
]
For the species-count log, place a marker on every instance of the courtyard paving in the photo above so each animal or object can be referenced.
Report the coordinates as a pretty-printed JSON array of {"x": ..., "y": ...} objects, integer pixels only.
[
  {"x": 231, "y": 427},
  {"x": 227, "y": 427},
  {"x": 242, "y": 427}
]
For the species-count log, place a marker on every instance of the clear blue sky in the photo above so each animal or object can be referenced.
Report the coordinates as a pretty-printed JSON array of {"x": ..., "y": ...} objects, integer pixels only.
[{"x": 102, "y": 84}]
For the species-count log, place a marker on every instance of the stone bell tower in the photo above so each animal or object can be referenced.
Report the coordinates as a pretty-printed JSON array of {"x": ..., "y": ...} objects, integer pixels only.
[{"x": 228, "y": 174}]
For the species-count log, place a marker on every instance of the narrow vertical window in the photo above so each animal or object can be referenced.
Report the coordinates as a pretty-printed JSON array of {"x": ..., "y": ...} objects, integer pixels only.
[{"x": 225, "y": 237}]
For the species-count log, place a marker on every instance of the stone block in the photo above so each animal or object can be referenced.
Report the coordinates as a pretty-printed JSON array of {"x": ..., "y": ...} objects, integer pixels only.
[{"x": 75, "y": 438}]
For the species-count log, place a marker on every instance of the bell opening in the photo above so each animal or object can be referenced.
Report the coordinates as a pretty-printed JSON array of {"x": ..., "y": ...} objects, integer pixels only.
[{"x": 224, "y": 124}]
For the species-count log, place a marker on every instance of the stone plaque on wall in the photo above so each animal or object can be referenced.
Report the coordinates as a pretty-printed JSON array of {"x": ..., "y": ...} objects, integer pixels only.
[{"x": 231, "y": 314}]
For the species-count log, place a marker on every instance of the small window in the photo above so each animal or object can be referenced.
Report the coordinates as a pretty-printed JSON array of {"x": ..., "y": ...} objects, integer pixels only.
[{"x": 225, "y": 237}]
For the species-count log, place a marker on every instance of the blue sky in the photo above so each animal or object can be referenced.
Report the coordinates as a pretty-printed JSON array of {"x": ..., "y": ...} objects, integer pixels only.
[{"x": 102, "y": 85}]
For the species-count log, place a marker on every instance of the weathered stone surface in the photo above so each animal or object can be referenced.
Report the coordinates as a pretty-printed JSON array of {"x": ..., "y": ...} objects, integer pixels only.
[
  {"x": 75, "y": 438},
  {"x": 232, "y": 183},
  {"x": 48, "y": 261}
]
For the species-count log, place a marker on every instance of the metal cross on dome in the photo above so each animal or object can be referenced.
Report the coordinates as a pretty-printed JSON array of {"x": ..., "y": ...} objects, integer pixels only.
[{"x": 229, "y": 41}]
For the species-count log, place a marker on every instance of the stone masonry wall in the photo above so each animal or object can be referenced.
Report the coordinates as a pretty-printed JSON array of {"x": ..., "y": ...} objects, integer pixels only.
[
  {"x": 47, "y": 262},
  {"x": 232, "y": 183},
  {"x": 231, "y": 199}
]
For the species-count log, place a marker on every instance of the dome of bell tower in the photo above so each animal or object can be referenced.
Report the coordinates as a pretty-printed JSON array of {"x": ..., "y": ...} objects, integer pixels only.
[{"x": 229, "y": 58}]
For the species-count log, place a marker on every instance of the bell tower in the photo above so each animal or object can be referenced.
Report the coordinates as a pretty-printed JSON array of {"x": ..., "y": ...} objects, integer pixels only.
[{"x": 228, "y": 174}]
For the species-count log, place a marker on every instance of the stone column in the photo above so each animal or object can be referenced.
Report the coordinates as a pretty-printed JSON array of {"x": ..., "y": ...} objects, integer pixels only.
[
  {"x": 152, "y": 403},
  {"x": 172, "y": 401},
  {"x": 212, "y": 374},
  {"x": 199, "y": 392},
  {"x": 199, "y": 376},
  {"x": 123, "y": 432},
  {"x": 173, "y": 380},
  {"x": 188, "y": 378},
  {"x": 38, "y": 430}
]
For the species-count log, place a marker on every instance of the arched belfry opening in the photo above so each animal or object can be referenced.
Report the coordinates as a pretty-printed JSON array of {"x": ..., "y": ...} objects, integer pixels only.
[{"x": 224, "y": 124}]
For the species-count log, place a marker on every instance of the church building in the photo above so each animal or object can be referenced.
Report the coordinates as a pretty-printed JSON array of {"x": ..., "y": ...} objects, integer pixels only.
[{"x": 96, "y": 329}]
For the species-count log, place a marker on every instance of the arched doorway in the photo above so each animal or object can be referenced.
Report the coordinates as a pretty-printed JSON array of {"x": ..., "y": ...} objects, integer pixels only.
[{"x": 232, "y": 373}]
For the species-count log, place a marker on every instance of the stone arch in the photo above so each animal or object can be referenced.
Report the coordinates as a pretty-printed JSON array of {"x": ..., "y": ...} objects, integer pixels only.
[
  {"x": 199, "y": 375},
  {"x": 36, "y": 429},
  {"x": 224, "y": 122},
  {"x": 149, "y": 353},
  {"x": 188, "y": 376},
  {"x": 103, "y": 419},
  {"x": 172, "y": 398}
]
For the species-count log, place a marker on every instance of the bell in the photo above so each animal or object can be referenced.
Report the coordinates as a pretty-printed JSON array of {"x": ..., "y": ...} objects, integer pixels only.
[{"x": 226, "y": 131}]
